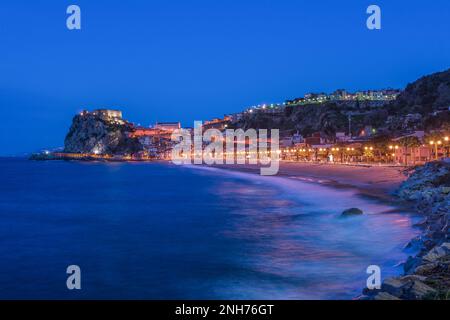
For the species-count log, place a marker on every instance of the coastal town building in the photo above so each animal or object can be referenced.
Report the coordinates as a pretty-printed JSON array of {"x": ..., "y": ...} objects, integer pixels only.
[
  {"x": 156, "y": 142},
  {"x": 217, "y": 123},
  {"x": 313, "y": 140},
  {"x": 368, "y": 131},
  {"x": 168, "y": 126},
  {"x": 110, "y": 115},
  {"x": 417, "y": 134},
  {"x": 343, "y": 95},
  {"x": 342, "y": 137},
  {"x": 412, "y": 156},
  {"x": 145, "y": 132},
  {"x": 272, "y": 109}
]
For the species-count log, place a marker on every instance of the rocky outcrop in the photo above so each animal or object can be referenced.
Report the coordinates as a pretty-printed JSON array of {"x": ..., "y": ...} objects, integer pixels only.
[
  {"x": 410, "y": 287},
  {"x": 429, "y": 187},
  {"x": 91, "y": 133},
  {"x": 427, "y": 275}
]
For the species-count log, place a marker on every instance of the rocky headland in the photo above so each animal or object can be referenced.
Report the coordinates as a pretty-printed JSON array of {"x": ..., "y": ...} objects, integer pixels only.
[{"x": 95, "y": 134}]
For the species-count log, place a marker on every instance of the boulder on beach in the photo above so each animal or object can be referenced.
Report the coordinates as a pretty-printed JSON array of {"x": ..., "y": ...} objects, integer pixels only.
[
  {"x": 411, "y": 264},
  {"x": 411, "y": 287},
  {"x": 437, "y": 252},
  {"x": 352, "y": 212},
  {"x": 427, "y": 274}
]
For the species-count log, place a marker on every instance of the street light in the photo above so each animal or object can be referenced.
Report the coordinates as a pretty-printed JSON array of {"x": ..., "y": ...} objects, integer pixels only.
[
  {"x": 435, "y": 143},
  {"x": 446, "y": 146}
]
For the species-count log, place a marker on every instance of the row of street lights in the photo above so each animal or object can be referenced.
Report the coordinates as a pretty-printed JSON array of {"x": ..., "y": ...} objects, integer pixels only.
[
  {"x": 437, "y": 144},
  {"x": 392, "y": 148}
]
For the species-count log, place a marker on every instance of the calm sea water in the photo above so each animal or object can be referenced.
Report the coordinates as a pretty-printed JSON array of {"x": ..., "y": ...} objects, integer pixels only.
[{"x": 158, "y": 231}]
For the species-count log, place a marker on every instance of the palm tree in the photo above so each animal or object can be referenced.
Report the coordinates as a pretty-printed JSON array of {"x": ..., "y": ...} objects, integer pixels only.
[
  {"x": 409, "y": 142},
  {"x": 381, "y": 144}
]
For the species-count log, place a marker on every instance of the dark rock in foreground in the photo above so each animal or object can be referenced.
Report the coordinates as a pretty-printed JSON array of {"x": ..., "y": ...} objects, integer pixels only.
[{"x": 428, "y": 273}]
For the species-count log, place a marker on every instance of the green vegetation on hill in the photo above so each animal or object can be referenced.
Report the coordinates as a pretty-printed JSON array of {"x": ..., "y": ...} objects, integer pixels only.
[{"x": 423, "y": 105}]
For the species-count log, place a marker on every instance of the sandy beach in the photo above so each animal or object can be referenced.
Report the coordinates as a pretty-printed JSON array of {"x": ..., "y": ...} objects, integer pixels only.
[{"x": 377, "y": 181}]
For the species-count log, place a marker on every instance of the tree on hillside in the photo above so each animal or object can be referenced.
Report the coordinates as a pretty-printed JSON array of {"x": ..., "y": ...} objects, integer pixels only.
[
  {"x": 381, "y": 145},
  {"x": 433, "y": 136}
]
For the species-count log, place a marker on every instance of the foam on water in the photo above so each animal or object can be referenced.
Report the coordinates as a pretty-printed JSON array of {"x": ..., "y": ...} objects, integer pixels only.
[{"x": 160, "y": 231}]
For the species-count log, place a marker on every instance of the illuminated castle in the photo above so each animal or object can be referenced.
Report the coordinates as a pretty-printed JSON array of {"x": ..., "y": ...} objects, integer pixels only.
[
  {"x": 108, "y": 114},
  {"x": 105, "y": 114}
]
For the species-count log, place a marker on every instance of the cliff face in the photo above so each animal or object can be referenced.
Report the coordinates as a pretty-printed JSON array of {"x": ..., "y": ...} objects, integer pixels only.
[{"x": 92, "y": 134}]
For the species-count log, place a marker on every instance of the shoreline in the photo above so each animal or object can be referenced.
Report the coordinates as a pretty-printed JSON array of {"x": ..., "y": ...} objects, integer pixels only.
[
  {"x": 377, "y": 182},
  {"x": 364, "y": 177},
  {"x": 426, "y": 275},
  {"x": 414, "y": 281}
]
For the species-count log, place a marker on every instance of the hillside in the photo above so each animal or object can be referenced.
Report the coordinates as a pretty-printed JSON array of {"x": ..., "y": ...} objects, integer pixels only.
[
  {"x": 423, "y": 105},
  {"x": 426, "y": 101},
  {"x": 428, "y": 94}
]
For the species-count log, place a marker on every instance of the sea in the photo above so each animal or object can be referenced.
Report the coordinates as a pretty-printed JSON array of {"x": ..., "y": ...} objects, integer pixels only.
[{"x": 162, "y": 231}]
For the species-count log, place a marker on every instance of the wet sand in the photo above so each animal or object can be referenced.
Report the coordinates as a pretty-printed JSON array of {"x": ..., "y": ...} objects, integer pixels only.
[{"x": 373, "y": 181}]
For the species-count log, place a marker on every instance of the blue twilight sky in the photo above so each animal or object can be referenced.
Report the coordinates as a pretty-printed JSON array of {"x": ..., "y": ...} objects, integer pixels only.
[{"x": 186, "y": 60}]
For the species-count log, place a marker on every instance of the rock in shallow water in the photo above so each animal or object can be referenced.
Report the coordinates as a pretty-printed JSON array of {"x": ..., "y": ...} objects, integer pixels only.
[{"x": 352, "y": 212}]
